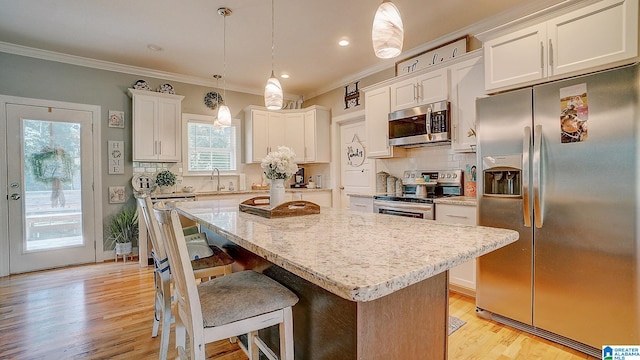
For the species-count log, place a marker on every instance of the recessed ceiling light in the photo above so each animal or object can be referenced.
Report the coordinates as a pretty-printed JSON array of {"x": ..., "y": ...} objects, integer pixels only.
[
  {"x": 284, "y": 76},
  {"x": 154, "y": 47},
  {"x": 343, "y": 42}
]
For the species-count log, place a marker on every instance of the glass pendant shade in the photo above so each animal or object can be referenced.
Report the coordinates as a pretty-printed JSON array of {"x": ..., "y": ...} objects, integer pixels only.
[
  {"x": 273, "y": 94},
  {"x": 387, "y": 32},
  {"x": 224, "y": 116}
]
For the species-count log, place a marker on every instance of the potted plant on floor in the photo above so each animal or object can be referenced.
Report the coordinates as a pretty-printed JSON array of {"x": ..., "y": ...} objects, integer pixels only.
[
  {"x": 123, "y": 228},
  {"x": 166, "y": 180}
]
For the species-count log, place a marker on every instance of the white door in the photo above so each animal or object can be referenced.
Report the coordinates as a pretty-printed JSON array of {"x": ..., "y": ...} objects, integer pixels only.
[
  {"x": 355, "y": 172},
  {"x": 50, "y": 179}
]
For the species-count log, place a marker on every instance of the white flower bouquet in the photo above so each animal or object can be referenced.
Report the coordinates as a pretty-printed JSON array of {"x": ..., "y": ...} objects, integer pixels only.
[{"x": 279, "y": 164}]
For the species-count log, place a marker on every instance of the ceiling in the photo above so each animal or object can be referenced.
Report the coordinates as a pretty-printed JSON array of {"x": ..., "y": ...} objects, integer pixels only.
[{"x": 190, "y": 34}]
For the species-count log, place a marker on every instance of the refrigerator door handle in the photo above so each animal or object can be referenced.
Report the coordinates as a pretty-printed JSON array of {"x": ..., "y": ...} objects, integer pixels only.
[
  {"x": 537, "y": 170},
  {"x": 526, "y": 145}
]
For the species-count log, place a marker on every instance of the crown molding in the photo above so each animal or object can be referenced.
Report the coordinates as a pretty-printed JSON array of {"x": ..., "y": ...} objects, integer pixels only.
[{"x": 121, "y": 68}]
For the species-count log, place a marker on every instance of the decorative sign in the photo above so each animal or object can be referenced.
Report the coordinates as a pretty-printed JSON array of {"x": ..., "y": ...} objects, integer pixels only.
[
  {"x": 116, "y": 119},
  {"x": 116, "y": 157},
  {"x": 355, "y": 152},
  {"x": 351, "y": 96},
  {"x": 444, "y": 53},
  {"x": 574, "y": 113}
]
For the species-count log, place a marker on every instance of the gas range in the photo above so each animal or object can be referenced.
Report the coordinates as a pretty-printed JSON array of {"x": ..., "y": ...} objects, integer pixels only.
[{"x": 419, "y": 189}]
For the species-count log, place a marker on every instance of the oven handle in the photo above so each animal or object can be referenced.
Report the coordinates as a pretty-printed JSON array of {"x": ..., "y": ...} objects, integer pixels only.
[{"x": 396, "y": 206}]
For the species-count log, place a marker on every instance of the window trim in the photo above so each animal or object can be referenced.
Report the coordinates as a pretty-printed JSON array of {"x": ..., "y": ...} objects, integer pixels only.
[{"x": 206, "y": 119}]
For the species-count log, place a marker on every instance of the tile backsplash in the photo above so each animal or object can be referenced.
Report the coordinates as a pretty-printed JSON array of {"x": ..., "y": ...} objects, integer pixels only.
[{"x": 427, "y": 158}]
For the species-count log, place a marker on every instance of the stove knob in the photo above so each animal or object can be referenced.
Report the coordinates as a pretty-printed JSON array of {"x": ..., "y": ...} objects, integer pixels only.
[
  {"x": 441, "y": 176},
  {"x": 448, "y": 176},
  {"x": 455, "y": 175}
]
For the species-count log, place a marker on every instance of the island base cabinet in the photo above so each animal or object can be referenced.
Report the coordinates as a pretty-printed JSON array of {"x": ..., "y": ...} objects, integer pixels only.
[{"x": 410, "y": 323}]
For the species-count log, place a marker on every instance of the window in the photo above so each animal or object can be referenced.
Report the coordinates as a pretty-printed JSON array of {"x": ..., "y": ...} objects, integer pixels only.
[{"x": 207, "y": 148}]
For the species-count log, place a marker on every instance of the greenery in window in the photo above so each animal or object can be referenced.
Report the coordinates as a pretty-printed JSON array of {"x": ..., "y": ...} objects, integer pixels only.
[{"x": 209, "y": 148}]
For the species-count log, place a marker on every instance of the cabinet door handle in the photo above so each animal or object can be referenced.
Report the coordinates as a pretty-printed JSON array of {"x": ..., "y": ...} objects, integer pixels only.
[
  {"x": 455, "y": 132},
  {"x": 550, "y": 50},
  {"x": 542, "y": 56},
  {"x": 159, "y": 147},
  {"x": 415, "y": 92},
  {"x": 457, "y": 216},
  {"x": 155, "y": 147}
]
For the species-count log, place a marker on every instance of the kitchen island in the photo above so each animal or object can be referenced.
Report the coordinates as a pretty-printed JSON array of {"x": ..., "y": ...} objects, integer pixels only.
[{"x": 371, "y": 286}]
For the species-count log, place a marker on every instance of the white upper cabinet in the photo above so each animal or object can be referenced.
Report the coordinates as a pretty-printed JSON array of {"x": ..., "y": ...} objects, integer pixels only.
[
  {"x": 293, "y": 129},
  {"x": 157, "y": 127},
  {"x": 423, "y": 89},
  {"x": 264, "y": 132},
  {"x": 317, "y": 135},
  {"x": 467, "y": 84},
  {"x": 376, "y": 114},
  {"x": 601, "y": 35},
  {"x": 305, "y": 131},
  {"x": 515, "y": 58}
]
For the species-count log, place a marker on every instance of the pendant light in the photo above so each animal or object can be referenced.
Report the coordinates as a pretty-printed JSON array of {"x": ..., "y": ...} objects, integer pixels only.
[
  {"x": 218, "y": 100},
  {"x": 273, "y": 90},
  {"x": 224, "y": 114},
  {"x": 387, "y": 32}
]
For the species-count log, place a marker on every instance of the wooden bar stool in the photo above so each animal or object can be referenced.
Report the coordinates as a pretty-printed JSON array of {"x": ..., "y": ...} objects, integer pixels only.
[
  {"x": 217, "y": 264},
  {"x": 241, "y": 303}
]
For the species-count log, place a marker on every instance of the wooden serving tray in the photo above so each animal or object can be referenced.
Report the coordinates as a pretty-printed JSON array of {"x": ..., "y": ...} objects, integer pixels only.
[{"x": 260, "y": 206}]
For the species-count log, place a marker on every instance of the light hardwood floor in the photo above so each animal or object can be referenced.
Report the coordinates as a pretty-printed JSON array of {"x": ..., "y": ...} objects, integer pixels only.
[{"x": 104, "y": 311}]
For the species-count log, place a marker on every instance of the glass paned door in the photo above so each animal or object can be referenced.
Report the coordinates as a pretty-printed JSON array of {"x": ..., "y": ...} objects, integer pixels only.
[{"x": 50, "y": 210}]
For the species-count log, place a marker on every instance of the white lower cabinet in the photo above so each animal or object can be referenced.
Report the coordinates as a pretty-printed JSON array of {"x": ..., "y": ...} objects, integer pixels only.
[
  {"x": 462, "y": 278},
  {"x": 362, "y": 204},
  {"x": 321, "y": 198}
]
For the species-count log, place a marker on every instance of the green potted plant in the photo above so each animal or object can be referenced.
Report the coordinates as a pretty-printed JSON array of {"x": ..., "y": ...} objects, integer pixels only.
[
  {"x": 123, "y": 228},
  {"x": 166, "y": 180}
]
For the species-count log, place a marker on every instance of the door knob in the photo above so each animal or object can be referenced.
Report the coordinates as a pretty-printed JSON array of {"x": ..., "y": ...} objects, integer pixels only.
[
  {"x": 341, "y": 187},
  {"x": 15, "y": 196}
]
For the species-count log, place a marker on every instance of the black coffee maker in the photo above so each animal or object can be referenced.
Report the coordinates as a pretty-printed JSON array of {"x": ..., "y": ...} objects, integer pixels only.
[{"x": 298, "y": 179}]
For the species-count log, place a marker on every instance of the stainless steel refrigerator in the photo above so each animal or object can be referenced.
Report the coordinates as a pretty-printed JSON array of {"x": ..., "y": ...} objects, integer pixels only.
[{"x": 559, "y": 163}]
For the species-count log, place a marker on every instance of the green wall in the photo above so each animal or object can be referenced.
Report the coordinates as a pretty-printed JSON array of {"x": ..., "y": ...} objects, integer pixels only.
[{"x": 49, "y": 80}]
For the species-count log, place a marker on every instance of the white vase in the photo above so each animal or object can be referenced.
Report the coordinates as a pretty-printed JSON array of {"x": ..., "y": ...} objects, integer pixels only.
[
  {"x": 276, "y": 192},
  {"x": 166, "y": 189}
]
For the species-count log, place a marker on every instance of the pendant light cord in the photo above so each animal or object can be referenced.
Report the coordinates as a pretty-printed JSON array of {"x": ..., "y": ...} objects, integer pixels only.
[
  {"x": 272, "y": 36},
  {"x": 224, "y": 58}
]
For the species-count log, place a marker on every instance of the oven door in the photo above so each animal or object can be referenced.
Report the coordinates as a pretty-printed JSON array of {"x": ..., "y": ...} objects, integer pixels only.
[{"x": 399, "y": 208}]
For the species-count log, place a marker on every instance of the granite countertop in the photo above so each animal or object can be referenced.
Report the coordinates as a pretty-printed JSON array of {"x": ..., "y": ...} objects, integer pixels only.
[
  {"x": 356, "y": 255},
  {"x": 226, "y": 192},
  {"x": 457, "y": 200}
]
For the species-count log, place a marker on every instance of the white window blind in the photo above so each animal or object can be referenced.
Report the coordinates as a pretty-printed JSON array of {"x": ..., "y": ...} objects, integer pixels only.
[{"x": 209, "y": 148}]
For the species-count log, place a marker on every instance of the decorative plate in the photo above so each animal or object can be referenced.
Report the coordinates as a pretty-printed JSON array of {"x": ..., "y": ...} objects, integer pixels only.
[
  {"x": 166, "y": 88},
  {"x": 143, "y": 183},
  {"x": 141, "y": 85},
  {"x": 212, "y": 99}
]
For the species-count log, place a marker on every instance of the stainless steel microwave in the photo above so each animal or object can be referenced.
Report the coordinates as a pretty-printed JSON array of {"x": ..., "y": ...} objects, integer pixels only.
[{"x": 423, "y": 125}]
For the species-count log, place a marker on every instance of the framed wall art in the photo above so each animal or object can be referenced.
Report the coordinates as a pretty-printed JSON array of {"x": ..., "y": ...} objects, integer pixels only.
[
  {"x": 116, "y": 119},
  {"x": 116, "y": 195}
]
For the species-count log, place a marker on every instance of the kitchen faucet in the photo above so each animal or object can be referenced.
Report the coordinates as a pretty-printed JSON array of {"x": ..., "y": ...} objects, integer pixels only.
[{"x": 212, "y": 175}]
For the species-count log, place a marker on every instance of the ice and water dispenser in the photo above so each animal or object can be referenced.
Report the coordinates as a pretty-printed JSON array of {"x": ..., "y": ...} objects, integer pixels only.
[{"x": 502, "y": 175}]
